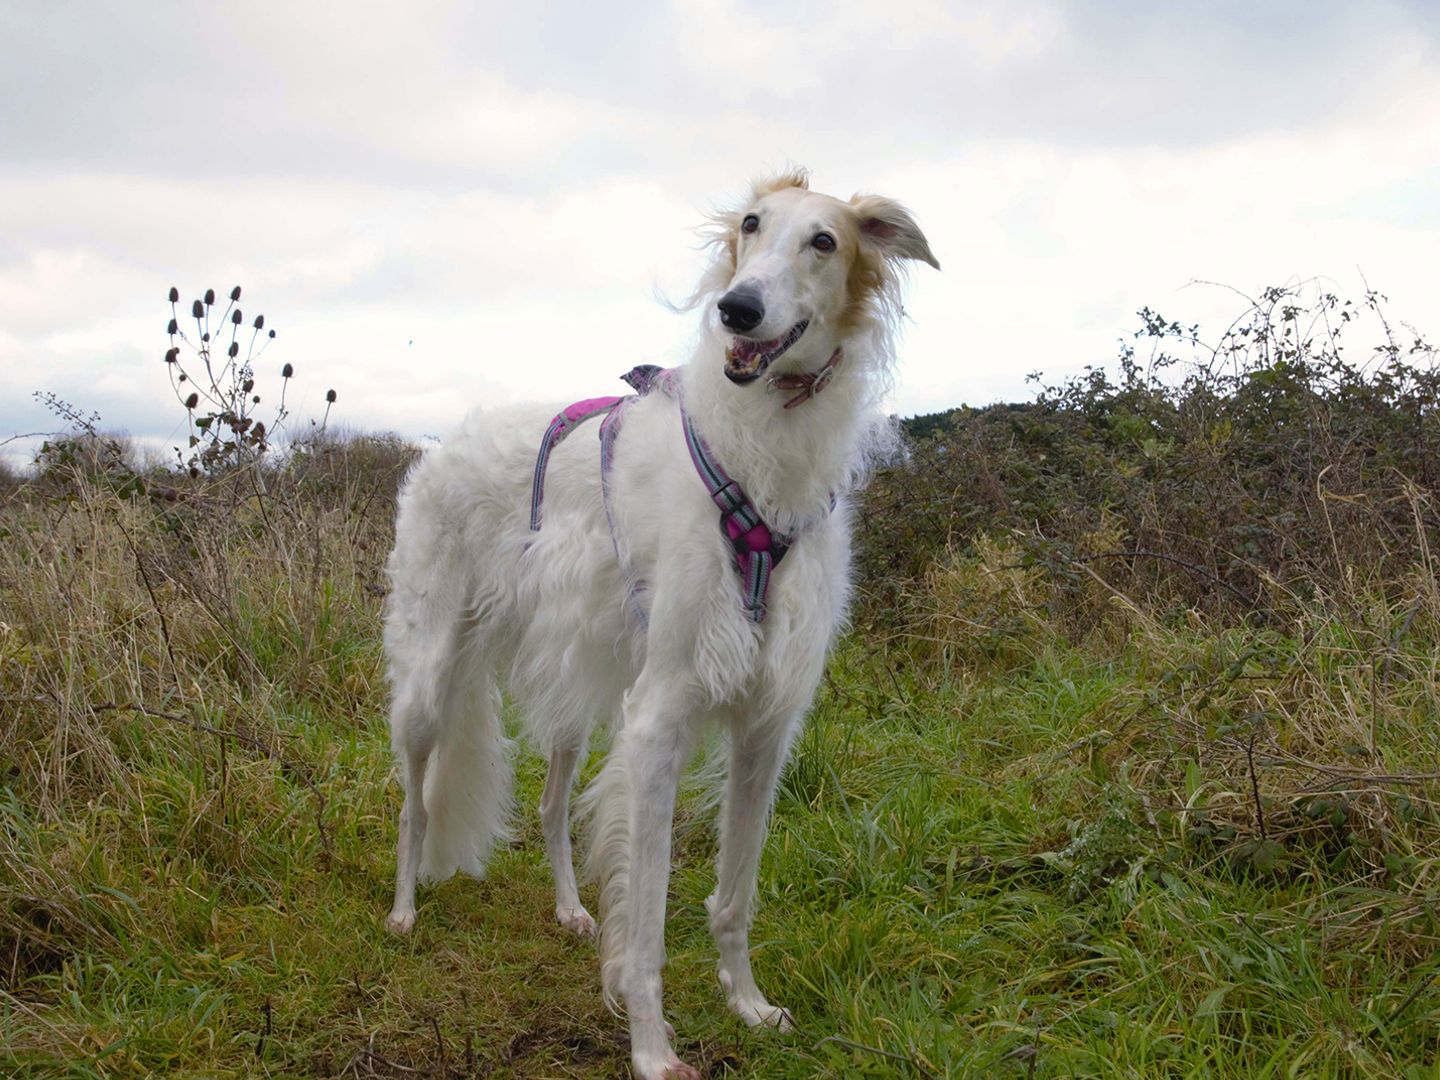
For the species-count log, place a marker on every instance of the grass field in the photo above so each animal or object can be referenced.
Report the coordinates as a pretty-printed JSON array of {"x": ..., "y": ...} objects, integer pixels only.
[{"x": 1165, "y": 849}]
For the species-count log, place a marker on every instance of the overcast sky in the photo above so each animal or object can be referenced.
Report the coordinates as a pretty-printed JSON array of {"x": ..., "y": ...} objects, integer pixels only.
[{"x": 442, "y": 204}]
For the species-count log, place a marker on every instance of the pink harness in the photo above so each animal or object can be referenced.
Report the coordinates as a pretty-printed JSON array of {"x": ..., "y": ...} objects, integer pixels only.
[{"x": 758, "y": 548}]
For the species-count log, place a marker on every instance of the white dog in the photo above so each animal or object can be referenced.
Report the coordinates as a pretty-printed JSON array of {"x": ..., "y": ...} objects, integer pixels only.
[{"x": 697, "y": 579}]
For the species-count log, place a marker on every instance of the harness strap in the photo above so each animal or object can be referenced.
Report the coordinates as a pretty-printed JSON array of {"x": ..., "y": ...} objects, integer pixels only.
[
  {"x": 566, "y": 421},
  {"x": 758, "y": 548},
  {"x": 643, "y": 379}
]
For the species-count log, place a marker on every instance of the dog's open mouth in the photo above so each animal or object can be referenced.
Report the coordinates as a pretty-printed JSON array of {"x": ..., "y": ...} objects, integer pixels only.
[{"x": 746, "y": 360}]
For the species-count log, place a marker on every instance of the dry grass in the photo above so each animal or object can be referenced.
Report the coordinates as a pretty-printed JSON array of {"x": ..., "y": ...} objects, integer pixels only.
[{"x": 1320, "y": 736}]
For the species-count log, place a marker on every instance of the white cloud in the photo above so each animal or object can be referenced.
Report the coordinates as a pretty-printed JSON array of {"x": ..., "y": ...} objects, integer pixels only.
[
  {"x": 438, "y": 204},
  {"x": 988, "y": 33}
]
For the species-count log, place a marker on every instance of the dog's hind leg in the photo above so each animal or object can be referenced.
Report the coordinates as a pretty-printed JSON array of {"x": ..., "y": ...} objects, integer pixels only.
[
  {"x": 422, "y": 676},
  {"x": 415, "y": 755},
  {"x": 555, "y": 820},
  {"x": 454, "y": 758},
  {"x": 757, "y": 755},
  {"x": 422, "y": 656}
]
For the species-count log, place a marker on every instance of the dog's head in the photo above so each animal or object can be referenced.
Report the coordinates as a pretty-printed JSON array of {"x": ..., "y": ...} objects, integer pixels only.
[{"x": 800, "y": 272}]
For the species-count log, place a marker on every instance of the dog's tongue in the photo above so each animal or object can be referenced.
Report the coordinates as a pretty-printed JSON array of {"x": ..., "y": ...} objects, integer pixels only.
[
  {"x": 745, "y": 349},
  {"x": 742, "y": 358}
]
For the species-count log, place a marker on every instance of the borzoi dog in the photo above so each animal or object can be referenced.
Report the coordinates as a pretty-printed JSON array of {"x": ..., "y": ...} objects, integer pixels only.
[{"x": 597, "y": 584}]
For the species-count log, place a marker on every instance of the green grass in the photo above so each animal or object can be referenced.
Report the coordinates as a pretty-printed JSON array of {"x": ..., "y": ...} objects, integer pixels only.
[
  {"x": 912, "y": 902},
  {"x": 1037, "y": 865}
]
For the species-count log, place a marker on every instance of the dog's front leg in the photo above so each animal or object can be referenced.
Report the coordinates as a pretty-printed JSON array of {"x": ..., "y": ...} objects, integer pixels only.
[
  {"x": 757, "y": 754},
  {"x": 656, "y": 743}
]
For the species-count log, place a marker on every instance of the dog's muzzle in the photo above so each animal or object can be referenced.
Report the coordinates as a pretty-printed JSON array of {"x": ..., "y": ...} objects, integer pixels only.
[{"x": 746, "y": 360}]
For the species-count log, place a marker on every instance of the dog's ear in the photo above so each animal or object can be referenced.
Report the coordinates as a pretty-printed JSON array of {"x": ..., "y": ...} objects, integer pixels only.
[{"x": 888, "y": 227}]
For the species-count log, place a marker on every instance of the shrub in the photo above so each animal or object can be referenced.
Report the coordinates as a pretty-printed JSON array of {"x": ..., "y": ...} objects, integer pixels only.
[{"x": 1231, "y": 478}]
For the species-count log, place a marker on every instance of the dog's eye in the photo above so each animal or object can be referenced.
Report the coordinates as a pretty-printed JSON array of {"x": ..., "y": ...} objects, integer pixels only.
[
  {"x": 750, "y": 224},
  {"x": 823, "y": 241}
]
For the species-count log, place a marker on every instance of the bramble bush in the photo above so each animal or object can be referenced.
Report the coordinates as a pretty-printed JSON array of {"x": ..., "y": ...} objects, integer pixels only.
[{"x": 1277, "y": 464}]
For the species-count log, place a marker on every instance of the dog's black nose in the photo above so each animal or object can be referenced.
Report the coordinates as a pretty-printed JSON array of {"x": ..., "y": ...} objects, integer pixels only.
[{"x": 741, "y": 309}]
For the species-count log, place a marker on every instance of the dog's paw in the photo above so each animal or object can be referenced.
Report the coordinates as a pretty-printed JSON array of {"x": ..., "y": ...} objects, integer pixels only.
[
  {"x": 666, "y": 1067},
  {"x": 577, "y": 920},
  {"x": 762, "y": 1014},
  {"x": 651, "y": 1055},
  {"x": 400, "y": 922}
]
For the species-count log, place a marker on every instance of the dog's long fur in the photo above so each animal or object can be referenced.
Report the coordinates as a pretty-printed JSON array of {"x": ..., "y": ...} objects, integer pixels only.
[{"x": 478, "y": 599}]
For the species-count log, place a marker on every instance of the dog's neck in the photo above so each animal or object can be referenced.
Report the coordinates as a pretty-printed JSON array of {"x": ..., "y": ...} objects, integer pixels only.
[{"x": 789, "y": 461}]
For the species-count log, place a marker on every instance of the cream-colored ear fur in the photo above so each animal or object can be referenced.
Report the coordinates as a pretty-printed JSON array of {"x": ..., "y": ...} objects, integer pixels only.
[{"x": 888, "y": 227}]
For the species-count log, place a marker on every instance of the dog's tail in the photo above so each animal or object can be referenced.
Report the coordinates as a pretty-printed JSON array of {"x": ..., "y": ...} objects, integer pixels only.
[
  {"x": 467, "y": 791},
  {"x": 605, "y": 804}
]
